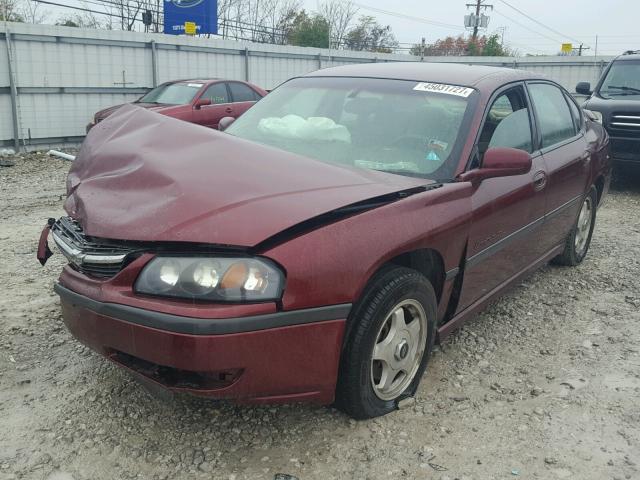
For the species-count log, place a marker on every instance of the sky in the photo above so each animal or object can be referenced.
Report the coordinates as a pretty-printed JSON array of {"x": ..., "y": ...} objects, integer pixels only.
[{"x": 614, "y": 22}]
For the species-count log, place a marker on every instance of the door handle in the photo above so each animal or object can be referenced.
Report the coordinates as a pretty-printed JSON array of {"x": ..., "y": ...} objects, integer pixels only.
[
  {"x": 229, "y": 110},
  {"x": 539, "y": 180}
]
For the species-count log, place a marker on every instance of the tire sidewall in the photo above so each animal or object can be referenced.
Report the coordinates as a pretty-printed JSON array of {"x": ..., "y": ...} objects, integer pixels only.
[{"x": 412, "y": 285}]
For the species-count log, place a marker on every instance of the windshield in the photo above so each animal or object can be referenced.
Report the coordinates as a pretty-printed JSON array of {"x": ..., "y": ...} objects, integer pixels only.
[
  {"x": 623, "y": 79},
  {"x": 172, "y": 94},
  {"x": 403, "y": 127}
]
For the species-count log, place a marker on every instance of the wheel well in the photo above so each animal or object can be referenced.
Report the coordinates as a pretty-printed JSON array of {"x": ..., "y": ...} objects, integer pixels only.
[
  {"x": 427, "y": 261},
  {"x": 599, "y": 187}
]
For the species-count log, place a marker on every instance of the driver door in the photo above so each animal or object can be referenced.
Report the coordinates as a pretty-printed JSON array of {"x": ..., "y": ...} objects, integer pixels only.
[{"x": 507, "y": 212}]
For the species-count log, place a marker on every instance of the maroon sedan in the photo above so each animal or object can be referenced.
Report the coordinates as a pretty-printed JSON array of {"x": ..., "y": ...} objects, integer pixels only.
[
  {"x": 319, "y": 247},
  {"x": 203, "y": 102}
]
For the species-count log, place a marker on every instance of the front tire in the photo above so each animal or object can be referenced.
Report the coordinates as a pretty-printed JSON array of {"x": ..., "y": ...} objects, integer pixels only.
[
  {"x": 579, "y": 239},
  {"x": 393, "y": 332}
]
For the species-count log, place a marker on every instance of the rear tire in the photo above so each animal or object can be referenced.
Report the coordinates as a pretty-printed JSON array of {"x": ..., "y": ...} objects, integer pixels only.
[
  {"x": 579, "y": 239},
  {"x": 386, "y": 353}
]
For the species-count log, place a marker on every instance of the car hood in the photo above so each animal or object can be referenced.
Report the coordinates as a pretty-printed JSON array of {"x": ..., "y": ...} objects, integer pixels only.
[{"x": 147, "y": 177}]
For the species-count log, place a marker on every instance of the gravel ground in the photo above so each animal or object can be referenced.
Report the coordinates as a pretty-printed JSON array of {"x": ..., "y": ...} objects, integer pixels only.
[{"x": 544, "y": 384}]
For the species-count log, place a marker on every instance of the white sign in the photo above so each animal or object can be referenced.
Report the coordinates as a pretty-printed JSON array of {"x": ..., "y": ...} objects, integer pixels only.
[{"x": 443, "y": 88}]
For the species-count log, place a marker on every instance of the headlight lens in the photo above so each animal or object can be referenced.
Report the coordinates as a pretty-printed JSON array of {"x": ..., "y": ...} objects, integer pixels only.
[
  {"x": 223, "y": 279},
  {"x": 594, "y": 116}
]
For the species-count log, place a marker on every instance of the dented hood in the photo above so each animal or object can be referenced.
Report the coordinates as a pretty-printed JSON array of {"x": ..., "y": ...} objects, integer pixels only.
[{"x": 144, "y": 176}]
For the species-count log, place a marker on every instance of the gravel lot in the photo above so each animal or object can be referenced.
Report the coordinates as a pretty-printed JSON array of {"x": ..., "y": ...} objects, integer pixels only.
[{"x": 544, "y": 384}]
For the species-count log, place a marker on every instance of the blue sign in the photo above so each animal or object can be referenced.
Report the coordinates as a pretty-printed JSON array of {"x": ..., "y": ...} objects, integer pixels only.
[{"x": 204, "y": 13}]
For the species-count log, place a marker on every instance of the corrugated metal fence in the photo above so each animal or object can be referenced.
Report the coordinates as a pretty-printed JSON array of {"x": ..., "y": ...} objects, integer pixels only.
[{"x": 52, "y": 79}]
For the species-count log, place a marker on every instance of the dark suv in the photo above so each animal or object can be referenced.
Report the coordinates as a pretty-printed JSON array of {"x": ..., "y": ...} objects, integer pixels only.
[{"x": 615, "y": 102}]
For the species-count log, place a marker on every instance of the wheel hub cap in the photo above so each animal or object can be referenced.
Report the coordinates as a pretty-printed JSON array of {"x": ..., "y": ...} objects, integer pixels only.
[
  {"x": 583, "y": 226},
  {"x": 402, "y": 349},
  {"x": 398, "y": 351}
]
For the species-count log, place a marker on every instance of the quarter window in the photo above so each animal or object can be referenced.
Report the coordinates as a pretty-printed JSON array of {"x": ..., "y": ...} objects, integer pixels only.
[
  {"x": 217, "y": 93},
  {"x": 241, "y": 93},
  {"x": 554, "y": 117},
  {"x": 575, "y": 113}
]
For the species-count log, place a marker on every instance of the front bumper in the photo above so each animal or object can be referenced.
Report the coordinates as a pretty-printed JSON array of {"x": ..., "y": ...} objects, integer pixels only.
[
  {"x": 625, "y": 150},
  {"x": 272, "y": 358}
]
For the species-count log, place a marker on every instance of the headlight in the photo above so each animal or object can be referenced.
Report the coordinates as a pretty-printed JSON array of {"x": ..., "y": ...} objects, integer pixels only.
[
  {"x": 594, "y": 116},
  {"x": 222, "y": 279}
]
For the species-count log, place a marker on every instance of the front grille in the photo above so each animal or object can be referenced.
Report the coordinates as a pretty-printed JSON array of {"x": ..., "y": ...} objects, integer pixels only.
[
  {"x": 174, "y": 378},
  {"x": 93, "y": 257},
  {"x": 625, "y": 124}
]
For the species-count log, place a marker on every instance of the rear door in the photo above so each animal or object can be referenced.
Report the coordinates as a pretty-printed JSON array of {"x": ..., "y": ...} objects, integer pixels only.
[
  {"x": 566, "y": 154},
  {"x": 507, "y": 212},
  {"x": 242, "y": 96},
  {"x": 221, "y": 106}
]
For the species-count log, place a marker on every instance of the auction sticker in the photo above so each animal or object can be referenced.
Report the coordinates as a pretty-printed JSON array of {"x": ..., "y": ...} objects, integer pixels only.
[{"x": 444, "y": 88}]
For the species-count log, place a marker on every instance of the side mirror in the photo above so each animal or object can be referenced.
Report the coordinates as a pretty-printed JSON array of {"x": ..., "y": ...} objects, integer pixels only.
[
  {"x": 201, "y": 102},
  {"x": 225, "y": 122},
  {"x": 500, "y": 162},
  {"x": 583, "y": 88}
]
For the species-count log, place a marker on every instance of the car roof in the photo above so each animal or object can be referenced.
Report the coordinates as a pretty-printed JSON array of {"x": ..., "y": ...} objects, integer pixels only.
[
  {"x": 478, "y": 76},
  {"x": 625, "y": 57},
  {"x": 195, "y": 80}
]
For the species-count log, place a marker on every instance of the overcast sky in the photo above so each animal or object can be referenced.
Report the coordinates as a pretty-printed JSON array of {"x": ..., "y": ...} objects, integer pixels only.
[{"x": 615, "y": 22}]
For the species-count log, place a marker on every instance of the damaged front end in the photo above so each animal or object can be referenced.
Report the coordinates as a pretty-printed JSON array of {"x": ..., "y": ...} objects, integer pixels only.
[{"x": 95, "y": 258}]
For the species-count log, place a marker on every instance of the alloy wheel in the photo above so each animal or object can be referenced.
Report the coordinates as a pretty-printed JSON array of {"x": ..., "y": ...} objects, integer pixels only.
[{"x": 397, "y": 353}]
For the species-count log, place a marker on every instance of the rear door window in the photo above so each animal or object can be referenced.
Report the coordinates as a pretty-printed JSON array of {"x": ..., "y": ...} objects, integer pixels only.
[
  {"x": 217, "y": 93},
  {"x": 554, "y": 117},
  {"x": 242, "y": 93}
]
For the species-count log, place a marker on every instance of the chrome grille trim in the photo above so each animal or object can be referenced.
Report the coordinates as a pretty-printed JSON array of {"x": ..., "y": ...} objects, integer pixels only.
[
  {"x": 93, "y": 258},
  {"x": 624, "y": 125}
]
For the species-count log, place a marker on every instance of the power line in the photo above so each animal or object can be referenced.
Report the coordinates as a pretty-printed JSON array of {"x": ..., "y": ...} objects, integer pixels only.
[
  {"x": 409, "y": 17},
  {"x": 538, "y": 22},
  {"x": 554, "y": 40}
]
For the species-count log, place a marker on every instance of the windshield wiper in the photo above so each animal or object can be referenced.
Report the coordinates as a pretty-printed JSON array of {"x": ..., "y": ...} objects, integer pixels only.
[
  {"x": 624, "y": 89},
  {"x": 406, "y": 173}
]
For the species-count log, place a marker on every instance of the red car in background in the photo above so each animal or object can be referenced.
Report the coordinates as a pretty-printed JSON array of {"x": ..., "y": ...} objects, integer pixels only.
[{"x": 203, "y": 102}]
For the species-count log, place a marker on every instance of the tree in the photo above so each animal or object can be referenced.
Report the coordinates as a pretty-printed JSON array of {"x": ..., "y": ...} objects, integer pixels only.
[
  {"x": 493, "y": 47},
  {"x": 457, "y": 46},
  {"x": 309, "y": 31},
  {"x": 10, "y": 11},
  {"x": 32, "y": 12},
  {"x": 80, "y": 20},
  {"x": 370, "y": 36},
  {"x": 339, "y": 14}
]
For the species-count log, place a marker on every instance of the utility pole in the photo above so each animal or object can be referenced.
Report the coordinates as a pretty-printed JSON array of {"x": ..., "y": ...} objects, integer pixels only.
[
  {"x": 580, "y": 49},
  {"x": 501, "y": 30},
  {"x": 477, "y": 20},
  {"x": 422, "y": 50}
]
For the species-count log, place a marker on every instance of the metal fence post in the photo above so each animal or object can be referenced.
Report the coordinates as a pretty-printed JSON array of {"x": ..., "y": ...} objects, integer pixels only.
[
  {"x": 154, "y": 64},
  {"x": 319, "y": 60},
  {"x": 246, "y": 63},
  {"x": 13, "y": 92}
]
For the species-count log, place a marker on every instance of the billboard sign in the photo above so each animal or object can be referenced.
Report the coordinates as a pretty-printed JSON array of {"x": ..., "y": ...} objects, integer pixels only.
[{"x": 202, "y": 13}]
